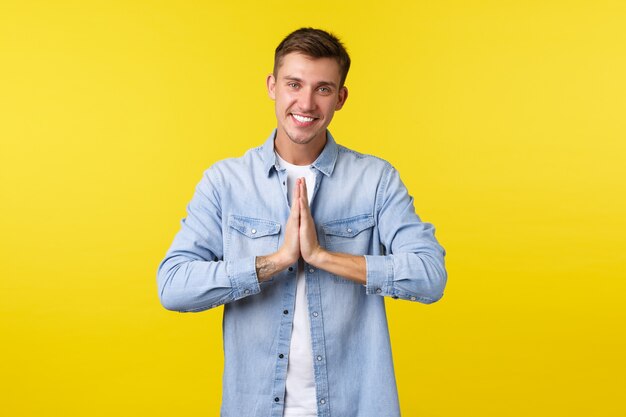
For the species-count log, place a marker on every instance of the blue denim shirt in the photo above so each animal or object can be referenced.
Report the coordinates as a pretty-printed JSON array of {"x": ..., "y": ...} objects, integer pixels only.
[{"x": 360, "y": 206}]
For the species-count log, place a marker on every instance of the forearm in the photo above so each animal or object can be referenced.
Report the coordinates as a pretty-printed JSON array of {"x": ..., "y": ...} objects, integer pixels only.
[
  {"x": 270, "y": 265},
  {"x": 348, "y": 266},
  {"x": 410, "y": 276},
  {"x": 189, "y": 285}
]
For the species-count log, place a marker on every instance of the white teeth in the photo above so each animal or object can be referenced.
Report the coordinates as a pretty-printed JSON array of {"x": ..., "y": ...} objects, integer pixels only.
[{"x": 302, "y": 119}]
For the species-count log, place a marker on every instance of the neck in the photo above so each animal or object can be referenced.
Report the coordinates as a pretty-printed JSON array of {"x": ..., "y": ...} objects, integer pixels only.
[{"x": 299, "y": 153}]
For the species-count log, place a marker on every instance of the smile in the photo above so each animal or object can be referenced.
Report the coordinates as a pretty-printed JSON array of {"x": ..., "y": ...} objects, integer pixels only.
[{"x": 303, "y": 120}]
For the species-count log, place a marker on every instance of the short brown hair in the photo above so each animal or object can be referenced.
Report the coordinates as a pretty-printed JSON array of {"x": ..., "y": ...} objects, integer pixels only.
[{"x": 314, "y": 43}]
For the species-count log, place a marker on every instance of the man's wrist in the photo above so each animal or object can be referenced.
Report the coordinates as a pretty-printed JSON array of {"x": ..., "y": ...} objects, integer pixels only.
[
  {"x": 269, "y": 265},
  {"x": 318, "y": 258}
]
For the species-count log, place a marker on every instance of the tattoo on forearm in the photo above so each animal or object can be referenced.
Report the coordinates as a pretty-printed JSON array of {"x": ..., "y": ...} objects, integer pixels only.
[{"x": 265, "y": 268}]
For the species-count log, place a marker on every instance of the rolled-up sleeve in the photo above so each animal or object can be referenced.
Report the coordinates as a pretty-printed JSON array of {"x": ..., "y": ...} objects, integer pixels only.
[
  {"x": 193, "y": 275},
  {"x": 413, "y": 267}
]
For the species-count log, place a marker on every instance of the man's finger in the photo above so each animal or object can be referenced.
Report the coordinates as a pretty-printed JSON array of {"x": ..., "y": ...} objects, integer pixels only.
[
  {"x": 304, "y": 194},
  {"x": 295, "y": 201}
]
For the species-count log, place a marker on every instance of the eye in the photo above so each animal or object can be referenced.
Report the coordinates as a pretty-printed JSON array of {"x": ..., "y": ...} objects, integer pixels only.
[
  {"x": 293, "y": 85},
  {"x": 324, "y": 90}
]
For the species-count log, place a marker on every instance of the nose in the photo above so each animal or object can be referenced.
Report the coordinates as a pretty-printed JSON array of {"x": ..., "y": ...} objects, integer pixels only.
[{"x": 306, "y": 100}]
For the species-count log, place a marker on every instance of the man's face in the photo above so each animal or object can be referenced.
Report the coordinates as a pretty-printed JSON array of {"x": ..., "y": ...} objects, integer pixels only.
[{"x": 307, "y": 94}]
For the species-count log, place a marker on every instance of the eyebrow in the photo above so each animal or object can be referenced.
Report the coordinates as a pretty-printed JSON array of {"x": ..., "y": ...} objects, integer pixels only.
[{"x": 330, "y": 83}]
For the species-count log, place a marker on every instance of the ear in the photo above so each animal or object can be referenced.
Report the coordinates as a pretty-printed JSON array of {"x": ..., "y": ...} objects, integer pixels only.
[
  {"x": 271, "y": 85},
  {"x": 342, "y": 97}
]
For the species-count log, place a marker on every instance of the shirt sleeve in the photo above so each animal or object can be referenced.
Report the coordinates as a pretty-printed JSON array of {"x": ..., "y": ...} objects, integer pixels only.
[
  {"x": 413, "y": 266},
  {"x": 193, "y": 275}
]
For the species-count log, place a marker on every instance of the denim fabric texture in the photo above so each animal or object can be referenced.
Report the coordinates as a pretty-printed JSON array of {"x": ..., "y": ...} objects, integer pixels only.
[{"x": 361, "y": 207}]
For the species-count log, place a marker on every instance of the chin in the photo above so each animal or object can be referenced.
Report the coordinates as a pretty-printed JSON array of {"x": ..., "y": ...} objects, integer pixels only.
[{"x": 300, "y": 139}]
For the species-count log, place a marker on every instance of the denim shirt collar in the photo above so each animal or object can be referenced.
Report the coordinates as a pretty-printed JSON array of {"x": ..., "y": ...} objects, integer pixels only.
[{"x": 325, "y": 162}]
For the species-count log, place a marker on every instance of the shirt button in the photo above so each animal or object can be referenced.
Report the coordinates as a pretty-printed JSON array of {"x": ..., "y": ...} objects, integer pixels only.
[
  {"x": 315, "y": 314},
  {"x": 412, "y": 298},
  {"x": 285, "y": 311},
  {"x": 322, "y": 401},
  {"x": 349, "y": 230},
  {"x": 277, "y": 399},
  {"x": 246, "y": 291},
  {"x": 290, "y": 269},
  {"x": 281, "y": 356},
  {"x": 311, "y": 270},
  {"x": 378, "y": 290},
  {"x": 319, "y": 358},
  {"x": 253, "y": 231}
]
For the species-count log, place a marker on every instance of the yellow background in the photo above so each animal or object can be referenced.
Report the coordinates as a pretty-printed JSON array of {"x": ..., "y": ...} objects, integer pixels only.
[{"x": 505, "y": 119}]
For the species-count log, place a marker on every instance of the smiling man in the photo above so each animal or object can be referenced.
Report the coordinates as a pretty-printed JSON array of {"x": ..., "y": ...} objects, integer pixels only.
[{"x": 302, "y": 240}]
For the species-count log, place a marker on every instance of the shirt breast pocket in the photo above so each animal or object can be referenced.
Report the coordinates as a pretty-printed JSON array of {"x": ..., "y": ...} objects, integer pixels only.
[
  {"x": 352, "y": 235},
  {"x": 251, "y": 237}
]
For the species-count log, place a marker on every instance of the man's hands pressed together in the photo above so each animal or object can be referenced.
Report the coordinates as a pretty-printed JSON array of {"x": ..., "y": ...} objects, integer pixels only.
[
  {"x": 310, "y": 249},
  {"x": 301, "y": 241}
]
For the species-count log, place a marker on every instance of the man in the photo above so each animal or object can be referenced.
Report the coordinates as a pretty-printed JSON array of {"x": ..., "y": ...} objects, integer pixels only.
[{"x": 301, "y": 240}]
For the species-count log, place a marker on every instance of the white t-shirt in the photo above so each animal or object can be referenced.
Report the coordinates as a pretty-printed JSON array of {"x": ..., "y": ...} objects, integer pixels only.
[{"x": 300, "y": 398}]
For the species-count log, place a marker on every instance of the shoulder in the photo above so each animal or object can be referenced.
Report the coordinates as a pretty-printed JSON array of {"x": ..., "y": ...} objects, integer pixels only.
[
  {"x": 362, "y": 160},
  {"x": 223, "y": 170},
  {"x": 370, "y": 169}
]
